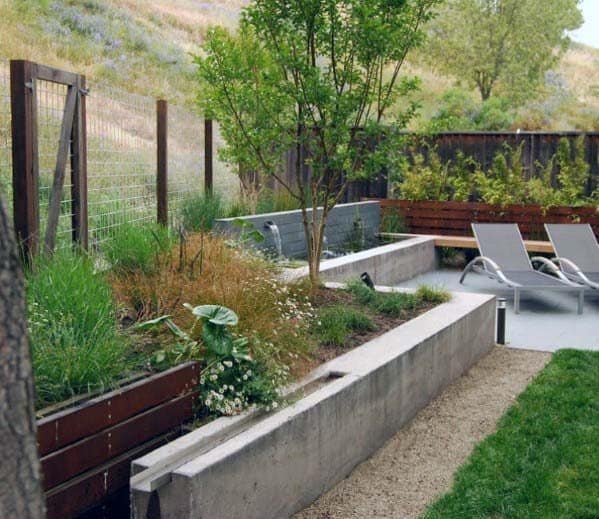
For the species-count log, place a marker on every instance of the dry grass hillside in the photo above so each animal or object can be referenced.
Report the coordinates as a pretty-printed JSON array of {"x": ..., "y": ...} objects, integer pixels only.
[{"x": 146, "y": 46}]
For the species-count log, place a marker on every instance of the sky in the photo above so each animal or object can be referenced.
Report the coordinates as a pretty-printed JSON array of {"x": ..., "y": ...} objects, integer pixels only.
[{"x": 588, "y": 33}]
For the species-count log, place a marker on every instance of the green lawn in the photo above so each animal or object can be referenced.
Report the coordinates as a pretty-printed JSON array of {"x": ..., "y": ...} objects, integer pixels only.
[{"x": 543, "y": 461}]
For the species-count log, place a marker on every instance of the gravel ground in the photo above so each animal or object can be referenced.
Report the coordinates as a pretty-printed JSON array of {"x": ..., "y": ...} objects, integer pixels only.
[{"x": 418, "y": 463}]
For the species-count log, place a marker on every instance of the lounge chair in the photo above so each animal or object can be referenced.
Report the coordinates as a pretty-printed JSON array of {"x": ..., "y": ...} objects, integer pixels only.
[
  {"x": 577, "y": 252},
  {"x": 504, "y": 258}
]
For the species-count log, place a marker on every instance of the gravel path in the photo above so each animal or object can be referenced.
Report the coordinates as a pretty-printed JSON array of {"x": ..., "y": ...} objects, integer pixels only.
[{"x": 418, "y": 463}]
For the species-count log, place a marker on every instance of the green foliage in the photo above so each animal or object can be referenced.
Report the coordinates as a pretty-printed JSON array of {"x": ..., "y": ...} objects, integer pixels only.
[
  {"x": 573, "y": 173},
  {"x": 297, "y": 70},
  {"x": 72, "y": 327},
  {"x": 504, "y": 183},
  {"x": 355, "y": 240},
  {"x": 137, "y": 247},
  {"x": 458, "y": 111},
  {"x": 199, "y": 211},
  {"x": 393, "y": 222},
  {"x": 434, "y": 295},
  {"x": 231, "y": 379},
  {"x": 394, "y": 303},
  {"x": 541, "y": 462},
  {"x": 503, "y": 46},
  {"x": 425, "y": 178},
  {"x": 336, "y": 323},
  {"x": 270, "y": 201},
  {"x": 362, "y": 293}
]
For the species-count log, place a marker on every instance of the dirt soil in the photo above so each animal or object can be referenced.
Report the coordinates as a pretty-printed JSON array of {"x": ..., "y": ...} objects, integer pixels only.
[{"x": 418, "y": 463}]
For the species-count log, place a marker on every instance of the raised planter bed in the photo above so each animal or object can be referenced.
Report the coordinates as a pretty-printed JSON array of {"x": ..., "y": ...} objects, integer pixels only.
[
  {"x": 387, "y": 264},
  {"x": 86, "y": 450},
  {"x": 263, "y": 467}
]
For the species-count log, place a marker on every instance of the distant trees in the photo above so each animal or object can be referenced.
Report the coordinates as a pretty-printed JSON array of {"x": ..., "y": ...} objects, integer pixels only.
[{"x": 501, "y": 46}]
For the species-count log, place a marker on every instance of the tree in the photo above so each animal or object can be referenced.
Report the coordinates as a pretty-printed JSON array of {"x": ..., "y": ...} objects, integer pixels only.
[
  {"x": 317, "y": 76},
  {"x": 20, "y": 486},
  {"x": 501, "y": 45}
]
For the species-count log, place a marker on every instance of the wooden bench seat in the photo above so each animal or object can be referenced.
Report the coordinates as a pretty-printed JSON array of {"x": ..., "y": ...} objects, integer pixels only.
[{"x": 467, "y": 242}]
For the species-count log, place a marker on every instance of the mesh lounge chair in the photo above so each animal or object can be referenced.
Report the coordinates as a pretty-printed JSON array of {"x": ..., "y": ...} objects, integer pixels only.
[
  {"x": 577, "y": 252},
  {"x": 504, "y": 258}
]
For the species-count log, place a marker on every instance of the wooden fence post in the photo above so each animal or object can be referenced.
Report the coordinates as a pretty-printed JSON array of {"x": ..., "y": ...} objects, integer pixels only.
[
  {"x": 25, "y": 156},
  {"x": 162, "y": 161},
  {"x": 208, "y": 159}
]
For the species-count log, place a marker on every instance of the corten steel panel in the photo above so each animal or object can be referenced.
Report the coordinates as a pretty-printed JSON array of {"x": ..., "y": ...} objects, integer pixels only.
[
  {"x": 68, "y": 426},
  {"x": 91, "y": 488},
  {"x": 64, "y": 464}
]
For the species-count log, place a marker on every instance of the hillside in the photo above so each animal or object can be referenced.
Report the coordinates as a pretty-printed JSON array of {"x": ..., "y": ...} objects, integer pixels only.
[{"x": 146, "y": 46}]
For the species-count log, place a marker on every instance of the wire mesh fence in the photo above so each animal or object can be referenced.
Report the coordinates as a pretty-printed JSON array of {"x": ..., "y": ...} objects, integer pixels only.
[
  {"x": 50, "y": 100},
  {"x": 5, "y": 136},
  {"x": 121, "y": 160},
  {"x": 185, "y": 157}
]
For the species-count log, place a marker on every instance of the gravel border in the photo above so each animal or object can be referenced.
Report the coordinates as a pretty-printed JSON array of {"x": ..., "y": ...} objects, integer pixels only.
[{"x": 418, "y": 463}]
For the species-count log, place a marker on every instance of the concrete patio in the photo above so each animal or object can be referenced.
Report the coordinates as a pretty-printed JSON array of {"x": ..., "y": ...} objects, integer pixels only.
[{"x": 547, "y": 320}]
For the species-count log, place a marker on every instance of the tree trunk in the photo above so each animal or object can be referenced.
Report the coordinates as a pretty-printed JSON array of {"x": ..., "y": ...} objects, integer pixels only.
[{"x": 20, "y": 486}]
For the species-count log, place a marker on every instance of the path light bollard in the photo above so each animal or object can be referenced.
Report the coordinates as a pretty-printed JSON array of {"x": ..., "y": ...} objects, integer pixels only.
[
  {"x": 501, "y": 307},
  {"x": 367, "y": 280}
]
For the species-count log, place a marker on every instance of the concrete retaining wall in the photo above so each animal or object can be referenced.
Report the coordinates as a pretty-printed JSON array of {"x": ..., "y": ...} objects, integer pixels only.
[
  {"x": 339, "y": 225},
  {"x": 387, "y": 264},
  {"x": 283, "y": 462}
]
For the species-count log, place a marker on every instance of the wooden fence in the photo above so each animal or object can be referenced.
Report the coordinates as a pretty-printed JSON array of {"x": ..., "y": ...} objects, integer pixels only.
[
  {"x": 86, "y": 450},
  {"x": 537, "y": 150},
  {"x": 454, "y": 218}
]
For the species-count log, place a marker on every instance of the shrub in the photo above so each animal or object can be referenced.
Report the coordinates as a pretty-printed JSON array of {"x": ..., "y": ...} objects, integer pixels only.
[
  {"x": 199, "y": 211},
  {"x": 205, "y": 269},
  {"x": 573, "y": 173},
  {"x": 73, "y": 328},
  {"x": 391, "y": 303},
  {"x": 270, "y": 201},
  {"x": 137, "y": 247},
  {"x": 393, "y": 222},
  {"x": 363, "y": 294},
  {"x": 231, "y": 380},
  {"x": 433, "y": 295},
  {"x": 395, "y": 303},
  {"x": 336, "y": 323},
  {"x": 504, "y": 183}
]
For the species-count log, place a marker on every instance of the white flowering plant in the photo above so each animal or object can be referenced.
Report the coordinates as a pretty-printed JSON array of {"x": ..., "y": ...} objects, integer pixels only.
[{"x": 231, "y": 380}]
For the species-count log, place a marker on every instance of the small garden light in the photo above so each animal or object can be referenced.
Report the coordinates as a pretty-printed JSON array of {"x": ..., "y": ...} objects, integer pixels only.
[
  {"x": 367, "y": 280},
  {"x": 501, "y": 307}
]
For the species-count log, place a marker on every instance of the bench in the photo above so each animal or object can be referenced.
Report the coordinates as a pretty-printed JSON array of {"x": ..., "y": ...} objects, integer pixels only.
[{"x": 467, "y": 242}]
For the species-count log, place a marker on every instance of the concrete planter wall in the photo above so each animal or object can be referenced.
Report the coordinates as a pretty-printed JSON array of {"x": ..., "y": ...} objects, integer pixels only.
[
  {"x": 339, "y": 225},
  {"x": 387, "y": 265},
  {"x": 276, "y": 465}
]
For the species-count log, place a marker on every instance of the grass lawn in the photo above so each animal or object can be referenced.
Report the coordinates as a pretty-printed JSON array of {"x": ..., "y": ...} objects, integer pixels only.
[{"x": 543, "y": 461}]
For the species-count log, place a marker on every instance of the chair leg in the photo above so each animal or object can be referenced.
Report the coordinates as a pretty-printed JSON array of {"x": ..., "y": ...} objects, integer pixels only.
[
  {"x": 517, "y": 300},
  {"x": 580, "y": 301}
]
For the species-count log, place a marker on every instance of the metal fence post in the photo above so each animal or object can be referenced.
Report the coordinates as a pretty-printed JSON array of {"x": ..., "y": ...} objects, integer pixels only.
[
  {"x": 162, "y": 161},
  {"x": 208, "y": 159},
  {"x": 80, "y": 223}
]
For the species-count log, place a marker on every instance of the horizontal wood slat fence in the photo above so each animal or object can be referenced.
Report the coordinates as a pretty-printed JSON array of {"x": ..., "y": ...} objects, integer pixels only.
[
  {"x": 454, "y": 218},
  {"x": 86, "y": 450}
]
